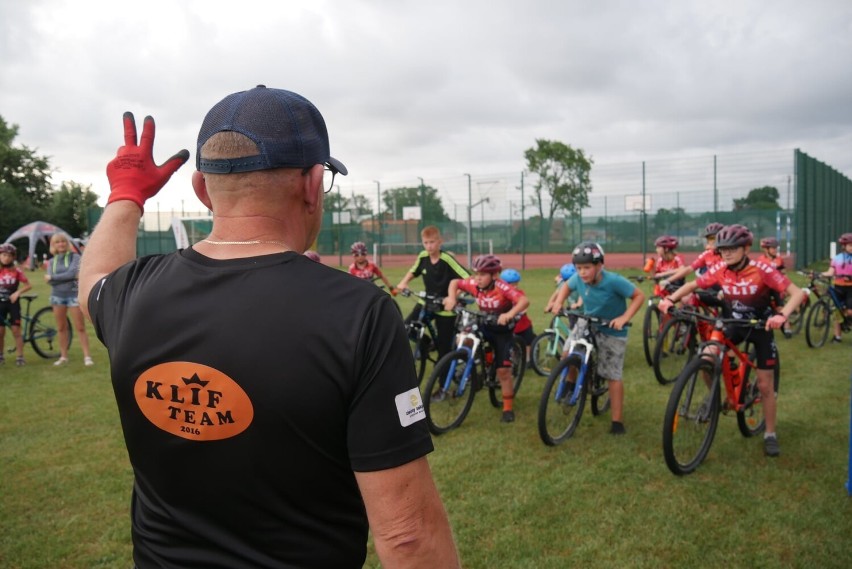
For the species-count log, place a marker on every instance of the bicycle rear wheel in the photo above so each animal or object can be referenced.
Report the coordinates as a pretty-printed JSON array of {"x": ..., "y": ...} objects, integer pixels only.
[
  {"x": 599, "y": 389},
  {"x": 558, "y": 416},
  {"x": 545, "y": 352},
  {"x": 650, "y": 329},
  {"x": 751, "y": 419},
  {"x": 42, "y": 334},
  {"x": 691, "y": 418},
  {"x": 446, "y": 401},
  {"x": 818, "y": 323},
  {"x": 674, "y": 348}
]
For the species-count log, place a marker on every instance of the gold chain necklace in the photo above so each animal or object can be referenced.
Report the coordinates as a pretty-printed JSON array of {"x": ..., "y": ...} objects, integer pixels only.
[{"x": 257, "y": 242}]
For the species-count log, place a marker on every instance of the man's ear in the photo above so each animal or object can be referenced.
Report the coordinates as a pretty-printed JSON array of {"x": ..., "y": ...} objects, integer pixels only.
[
  {"x": 199, "y": 185},
  {"x": 312, "y": 188}
]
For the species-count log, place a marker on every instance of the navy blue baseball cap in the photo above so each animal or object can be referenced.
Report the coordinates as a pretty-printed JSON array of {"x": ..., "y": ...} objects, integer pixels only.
[{"x": 288, "y": 129}]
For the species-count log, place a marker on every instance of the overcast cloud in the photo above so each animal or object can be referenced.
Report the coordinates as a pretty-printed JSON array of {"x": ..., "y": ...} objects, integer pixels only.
[{"x": 431, "y": 89}]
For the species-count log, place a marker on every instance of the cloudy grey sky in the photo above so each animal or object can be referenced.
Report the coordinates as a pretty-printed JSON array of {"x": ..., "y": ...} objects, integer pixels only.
[{"x": 436, "y": 89}]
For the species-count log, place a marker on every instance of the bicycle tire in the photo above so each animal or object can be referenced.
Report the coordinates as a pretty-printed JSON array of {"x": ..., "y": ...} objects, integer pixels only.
[
  {"x": 446, "y": 409},
  {"x": 44, "y": 337},
  {"x": 818, "y": 323},
  {"x": 751, "y": 419},
  {"x": 599, "y": 392},
  {"x": 691, "y": 418},
  {"x": 545, "y": 352},
  {"x": 557, "y": 418},
  {"x": 675, "y": 347},
  {"x": 797, "y": 318},
  {"x": 650, "y": 328}
]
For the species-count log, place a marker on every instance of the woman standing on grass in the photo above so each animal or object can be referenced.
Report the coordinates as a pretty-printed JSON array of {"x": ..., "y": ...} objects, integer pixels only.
[{"x": 61, "y": 275}]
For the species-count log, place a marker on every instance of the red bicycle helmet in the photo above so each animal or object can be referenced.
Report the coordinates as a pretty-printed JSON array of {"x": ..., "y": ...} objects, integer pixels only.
[
  {"x": 769, "y": 242},
  {"x": 588, "y": 252},
  {"x": 666, "y": 242},
  {"x": 358, "y": 248},
  {"x": 735, "y": 235},
  {"x": 845, "y": 239},
  {"x": 487, "y": 264},
  {"x": 313, "y": 256},
  {"x": 8, "y": 248},
  {"x": 712, "y": 229}
]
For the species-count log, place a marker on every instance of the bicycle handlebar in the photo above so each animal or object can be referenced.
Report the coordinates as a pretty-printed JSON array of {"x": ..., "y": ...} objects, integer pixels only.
[
  {"x": 593, "y": 319},
  {"x": 482, "y": 317},
  {"x": 719, "y": 321}
]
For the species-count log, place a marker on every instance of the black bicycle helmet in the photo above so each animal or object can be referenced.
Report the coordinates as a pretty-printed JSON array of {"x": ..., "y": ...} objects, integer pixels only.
[
  {"x": 845, "y": 239},
  {"x": 588, "y": 252},
  {"x": 712, "y": 229},
  {"x": 487, "y": 264},
  {"x": 735, "y": 235},
  {"x": 666, "y": 242},
  {"x": 769, "y": 242}
]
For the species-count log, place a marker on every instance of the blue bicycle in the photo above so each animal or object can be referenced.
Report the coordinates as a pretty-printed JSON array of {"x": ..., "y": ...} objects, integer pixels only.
[
  {"x": 574, "y": 377},
  {"x": 470, "y": 367}
]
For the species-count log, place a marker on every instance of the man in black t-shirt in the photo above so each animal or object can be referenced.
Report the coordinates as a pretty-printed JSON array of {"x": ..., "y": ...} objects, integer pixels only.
[{"x": 268, "y": 403}]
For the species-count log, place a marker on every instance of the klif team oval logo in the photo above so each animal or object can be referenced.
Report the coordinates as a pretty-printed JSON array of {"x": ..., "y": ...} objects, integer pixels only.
[{"x": 193, "y": 401}]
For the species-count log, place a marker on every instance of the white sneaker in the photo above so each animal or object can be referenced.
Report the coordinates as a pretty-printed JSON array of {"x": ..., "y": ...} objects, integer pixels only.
[
  {"x": 61, "y": 362},
  {"x": 88, "y": 361}
]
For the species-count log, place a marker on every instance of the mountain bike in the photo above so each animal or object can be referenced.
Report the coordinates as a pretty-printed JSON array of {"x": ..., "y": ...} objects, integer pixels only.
[
  {"x": 679, "y": 338},
  {"x": 572, "y": 379},
  {"x": 421, "y": 330},
  {"x": 39, "y": 330},
  {"x": 695, "y": 403},
  {"x": 817, "y": 287},
  {"x": 819, "y": 316},
  {"x": 546, "y": 349},
  {"x": 653, "y": 321},
  {"x": 470, "y": 367}
]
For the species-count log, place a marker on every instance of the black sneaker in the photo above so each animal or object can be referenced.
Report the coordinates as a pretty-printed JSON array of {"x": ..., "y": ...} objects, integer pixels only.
[
  {"x": 438, "y": 396},
  {"x": 771, "y": 447},
  {"x": 617, "y": 428},
  {"x": 836, "y": 340},
  {"x": 508, "y": 417}
]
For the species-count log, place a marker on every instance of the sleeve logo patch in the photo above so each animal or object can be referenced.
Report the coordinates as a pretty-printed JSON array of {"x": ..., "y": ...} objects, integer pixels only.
[
  {"x": 409, "y": 406},
  {"x": 193, "y": 401}
]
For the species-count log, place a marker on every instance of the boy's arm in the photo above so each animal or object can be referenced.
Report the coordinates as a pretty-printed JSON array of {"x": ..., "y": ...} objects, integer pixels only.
[
  {"x": 551, "y": 300},
  {"x": 23, "y": 287},
  {"x": 676, "y": 296},
  {"x": 521, "y": 305},
  {"x": 636, "y": 302},
  {"x": 452, "y": 293},
  {"x": 677, "y": 275},
  {"x": 403, "y": 284},
  {"x": 561, "y": 294}
]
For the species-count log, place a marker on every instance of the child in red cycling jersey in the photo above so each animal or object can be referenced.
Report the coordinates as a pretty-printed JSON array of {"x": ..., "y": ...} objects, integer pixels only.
[
  {"x": 13, "y": 283},
  {"x": 666, "y": 264},
  {"x": 524, "y": 327},
  {"x": 770, "y": 256},
  {"x": 747, "y": 285},
  {"x": 705, "y": 260},
  {"x": 365, "y": 269},
  {"x": 494, "y": 296}
]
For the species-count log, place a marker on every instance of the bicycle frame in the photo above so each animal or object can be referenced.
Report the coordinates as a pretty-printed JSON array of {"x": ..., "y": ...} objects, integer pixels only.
[
  {"x": 734, "y": 378},
  {"x": 586, "y": 353},
  {"x": 560, "y": 331},
  {"x": 470, "y": 342}
]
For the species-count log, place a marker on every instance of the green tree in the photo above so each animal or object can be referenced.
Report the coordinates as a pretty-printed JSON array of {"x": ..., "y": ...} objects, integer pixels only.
[
  {"x": 22, "y": 170},
  {"x": 335, "y": 202},
  {"x": 667, "y": 220},
  {"x": 759, "y": 198},
  {"x": 69, "y": 207},
  {"x": 361, "y": 204},
  {"x": 432, "y": 209},
  {"x": 563, "y": 177}
]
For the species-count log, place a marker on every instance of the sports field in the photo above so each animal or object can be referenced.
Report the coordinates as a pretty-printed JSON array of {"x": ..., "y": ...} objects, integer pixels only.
[{"x": 595, "y": 501}]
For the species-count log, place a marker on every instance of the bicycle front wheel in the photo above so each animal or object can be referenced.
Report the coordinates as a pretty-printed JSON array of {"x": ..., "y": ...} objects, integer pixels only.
[
  {"x": 650, "y": 329},
  {"x": 751, "y": 419},
  {"x": 43, "y": 335},
  {"x": 674, "y": 348},
  {"x": 691, "y": 418},
  {"x": 818, "y": 323},
  {"x": 559, "y": 411},
  {"x": 797, "y": 318},
  {"x": 449, "y": 392},
  {"x": 545, "y": 352}
]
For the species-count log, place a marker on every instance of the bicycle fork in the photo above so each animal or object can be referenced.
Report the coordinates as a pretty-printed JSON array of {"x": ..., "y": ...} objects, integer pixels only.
[
  {"x": 584, "y": 355},
  {"x": 469, "y": 343}
]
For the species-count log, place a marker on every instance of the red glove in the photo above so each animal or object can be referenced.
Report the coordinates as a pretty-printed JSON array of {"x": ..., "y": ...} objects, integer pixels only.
[{"x": 132, "y": 173}]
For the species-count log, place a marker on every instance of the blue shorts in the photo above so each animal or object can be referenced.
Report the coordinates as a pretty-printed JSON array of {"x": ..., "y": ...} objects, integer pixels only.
[{"x": 58, "y": 301}]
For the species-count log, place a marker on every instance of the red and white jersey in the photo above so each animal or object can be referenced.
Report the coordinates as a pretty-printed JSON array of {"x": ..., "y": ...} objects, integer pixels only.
[
  {"x": 496, "y": 300},
  {"x": 10, "y": 278},
  {"x": 662, "y": 265},
  {"x": 777, "y": 262},
  {"x": 706, "y": 259},
  {"x": 368, "y": 272},
  {"x": 747, "y": 291}
]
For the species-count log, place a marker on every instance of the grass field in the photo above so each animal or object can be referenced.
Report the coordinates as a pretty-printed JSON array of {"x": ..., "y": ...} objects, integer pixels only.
[{"x": 595, "y": 501}]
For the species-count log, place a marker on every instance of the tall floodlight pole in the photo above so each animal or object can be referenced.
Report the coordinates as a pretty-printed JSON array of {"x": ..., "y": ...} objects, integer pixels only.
[
  {"x": 469, "y": 220},
  {"x": 339, "y": 217},
  {"x": 422, "y": 223},
  {"x": 379, "y": 216},
  {"x": 523, "y": 228}
]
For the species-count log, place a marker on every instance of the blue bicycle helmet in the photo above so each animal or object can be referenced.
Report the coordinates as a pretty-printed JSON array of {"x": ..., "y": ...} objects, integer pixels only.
[
  {"x": 511, "y": 276},
  {"x": 567, "y": 271}
]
